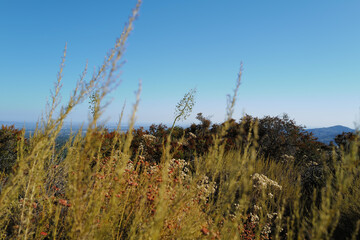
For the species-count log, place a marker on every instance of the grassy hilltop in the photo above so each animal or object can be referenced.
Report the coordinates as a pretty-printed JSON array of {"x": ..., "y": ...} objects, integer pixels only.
[{"x": 254, "y": 178}]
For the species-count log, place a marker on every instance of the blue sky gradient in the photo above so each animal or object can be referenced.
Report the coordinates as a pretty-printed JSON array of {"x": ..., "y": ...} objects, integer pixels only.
[{"x": 300, "y": 57}]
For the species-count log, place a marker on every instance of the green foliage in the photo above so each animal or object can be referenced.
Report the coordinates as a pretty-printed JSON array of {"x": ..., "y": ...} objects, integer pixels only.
[
  {"x": 280, "y": 139},
  {"x": 346, "y": 140},
  {"x": 9, "y": 138}
]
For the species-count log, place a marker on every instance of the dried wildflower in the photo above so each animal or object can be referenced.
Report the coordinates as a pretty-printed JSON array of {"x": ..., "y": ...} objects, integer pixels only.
[
  {"x": 133, "y": 183},
  {"x": 287, "y": 158},
  {"x": 254, "y": 218},
  {"x": 312, "y": 163},
  {"x": 192, "y": 135},
  {"x": 266, "y": 231},
  {"x": 205, "y": 188},
  {"x": 64, "y": 203},
  {"x": 43, "y": 234},
  {"x": 149, "y": 137},
  {"x": 256, "y": 207},
  {"x": 272, "y": 215},
  {"x": 141, "y": 147},
  {"x": 184, "y": 107},
  {"x": 129, "y": 167},
  {"x": 262, "y": 182},
  {"x": 153, "y": 169},
  {"x": 205, "y": 231}
]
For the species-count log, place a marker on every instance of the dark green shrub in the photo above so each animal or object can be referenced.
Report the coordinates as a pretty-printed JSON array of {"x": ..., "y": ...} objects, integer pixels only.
[{"x": 9, "y": 137}]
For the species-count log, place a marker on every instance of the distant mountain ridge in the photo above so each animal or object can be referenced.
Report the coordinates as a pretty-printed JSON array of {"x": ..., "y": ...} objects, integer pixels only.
[{"x": 328, "y": 134}]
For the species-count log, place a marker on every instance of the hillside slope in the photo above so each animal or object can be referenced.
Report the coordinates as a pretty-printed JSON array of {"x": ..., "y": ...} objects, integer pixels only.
[{"x": 327, "y": 134}]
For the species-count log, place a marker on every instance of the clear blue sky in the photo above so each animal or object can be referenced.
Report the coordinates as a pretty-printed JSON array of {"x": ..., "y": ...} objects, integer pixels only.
[{"x": 300, "y": 57}]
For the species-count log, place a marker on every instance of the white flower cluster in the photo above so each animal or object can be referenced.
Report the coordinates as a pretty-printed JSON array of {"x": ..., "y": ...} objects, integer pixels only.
[
  {"x": 141, "y": 147},
  {"x": 206, "y": 188},
  {"x": 175, "y": 166},
  {"x": 262, "y": 182},
  {"x": 192, "y": 135},
  {"x": 153, "y": 169},
  {"x": 254, "y": 218},
  {"x": 266, "y": 229},
  {"x": 312, "y": 163},
  {"x": 272, "y": 215},
  {"x": 149, "y": 137},
  {"x": 257, "y": 208},
  {"x": 287, "y": 158},
  {"x": 179, "y": 164},
  {"x": 129, "y": 166}
]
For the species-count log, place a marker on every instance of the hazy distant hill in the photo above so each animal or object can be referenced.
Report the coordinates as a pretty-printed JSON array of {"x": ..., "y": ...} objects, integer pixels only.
[{"x": 327, "y": 134}]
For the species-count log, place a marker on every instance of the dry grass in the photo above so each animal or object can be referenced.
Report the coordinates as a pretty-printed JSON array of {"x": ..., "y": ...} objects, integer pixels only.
[{"x": 81, "y": 193}]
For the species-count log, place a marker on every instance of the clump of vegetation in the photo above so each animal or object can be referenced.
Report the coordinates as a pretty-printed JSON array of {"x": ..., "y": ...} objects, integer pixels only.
[
  {"x": 9, "y": 137},
  {"x": 253, "y": 179}
]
